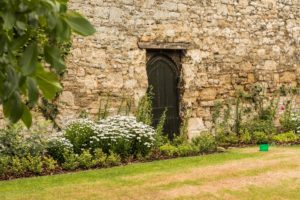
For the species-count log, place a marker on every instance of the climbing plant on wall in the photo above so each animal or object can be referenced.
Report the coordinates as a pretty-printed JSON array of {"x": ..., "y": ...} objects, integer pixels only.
[{"x": 31, "y": 32}]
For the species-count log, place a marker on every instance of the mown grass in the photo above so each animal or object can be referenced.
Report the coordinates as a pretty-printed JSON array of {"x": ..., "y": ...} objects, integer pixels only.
[{"x": 147, "y": 180}]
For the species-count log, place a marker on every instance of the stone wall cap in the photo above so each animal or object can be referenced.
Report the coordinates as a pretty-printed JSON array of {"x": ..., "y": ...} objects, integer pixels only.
[{"x": 164, "y": 45}]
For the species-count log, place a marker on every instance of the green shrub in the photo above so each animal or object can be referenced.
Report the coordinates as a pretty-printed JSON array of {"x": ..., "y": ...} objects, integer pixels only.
[
  {"x": 99, "y": 158},
  {"x": 245, "y": 137},
  {"x": 287, "y": 137},
  {"x": 168, "y": 150},
  {"x": 122, "y": 147},
  {"x": 226, "y": 138},
  {"x": 57, "y": 145},
  {"x": 258, "y": 125},
  {"x": 205, "y": 143},
  {"x": 289, "y": 120},
  {"x": 113, "y": 159},
  {"x": 85, "y": 160},
  {"x": 79, "y": 132},
  {"x": 35, "y": 143},
  {"x": 12, "y": 142},
  {"x": 4, "y": 165},
  {"x": 18, "y": 141},
  {"x": 49, "y": 164},
  {"x": 33, "y": 164},
  {"x": 179, "y": 140},
  {"x": 18, "y": 167},
  {"x": 259, "y": 137},
  {"x": 187, "y": 150},
  {"x": 70, "y": 161},
  {"x": 182, "y": 138}
]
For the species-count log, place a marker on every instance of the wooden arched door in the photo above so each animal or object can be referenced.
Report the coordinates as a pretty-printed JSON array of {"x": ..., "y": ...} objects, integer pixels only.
[{"x": 163, "y": 77}]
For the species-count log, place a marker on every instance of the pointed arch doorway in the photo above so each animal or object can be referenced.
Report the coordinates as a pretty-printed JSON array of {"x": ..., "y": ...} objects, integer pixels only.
[{"x": 163, "y": 70}]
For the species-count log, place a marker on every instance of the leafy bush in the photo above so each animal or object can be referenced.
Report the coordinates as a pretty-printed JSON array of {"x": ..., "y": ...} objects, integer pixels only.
[
  {"x": 205, "y": 143},
  {"x": 79, "y": 132},
  {"x": 226, "y": 138},
  {"x": 113, "y": 159},
  {"x": 245, "y": 137},
  {"x": 19, "y": 141},
  {"x": 49, "y": 164},
  {"x": 12, "y": 142},
  {"x": 70, "y": 161},
  {"x": 33, "y": 164},
  {"x": 290, "y": 121},
  {"x": 57, "y": 144},
  {"x": 168, "y": 150},
  {"x": 187, "y": 150},
  {"x": 85, "y": 160},
  {"x": 259, "y": 137},
  {"x": 258, "y": 125},
  {"x": 4, "y": 165},
  {"x": 287, "y": 137},
  {"x": 179, "y": 140},
  {"x": 18, "y": 166},
  {"x": 99, "y": 158}
]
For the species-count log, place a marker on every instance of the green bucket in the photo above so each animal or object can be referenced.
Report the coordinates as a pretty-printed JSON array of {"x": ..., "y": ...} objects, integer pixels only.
[{"x": 264, "y": 147}]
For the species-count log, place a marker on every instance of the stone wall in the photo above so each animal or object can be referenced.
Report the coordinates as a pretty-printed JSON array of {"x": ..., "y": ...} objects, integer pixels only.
[{"x": 232, "y": 43}]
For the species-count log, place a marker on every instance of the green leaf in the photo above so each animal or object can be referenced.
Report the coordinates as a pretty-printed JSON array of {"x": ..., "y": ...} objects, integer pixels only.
[
  {"x": 13, "y": 108},
  {"x": 9, "y": 20},
  {"x": 33, "y": 92},
  {"x": 12, "y": 82},
  {"x": 47, "y": 82},
  {"x": 62, "y": 30},
  {"x": 17, "y": 43},
  {"x": 53, "y": 56},
  {"x": 28, "y": 60},
  {"x": 79, "y": 24},
  {"x": 26, "y": 117},
  {"x": 21, "y": 25},
  {"x": 52, "y": 21}
]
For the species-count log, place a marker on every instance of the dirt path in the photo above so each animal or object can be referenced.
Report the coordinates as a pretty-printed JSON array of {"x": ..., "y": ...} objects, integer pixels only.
[{"x": 272, "y": 168}]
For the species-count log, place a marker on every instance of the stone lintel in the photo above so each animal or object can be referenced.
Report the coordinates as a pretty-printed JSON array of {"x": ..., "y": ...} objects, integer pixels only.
[{"x": 164, "y": 45}]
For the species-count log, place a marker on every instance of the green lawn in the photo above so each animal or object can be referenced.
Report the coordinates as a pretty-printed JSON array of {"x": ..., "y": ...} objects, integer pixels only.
[{"x": 237, "y": 174}]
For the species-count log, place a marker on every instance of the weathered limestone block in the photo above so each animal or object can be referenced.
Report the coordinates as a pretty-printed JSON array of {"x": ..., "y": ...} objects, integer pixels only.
[
  {"x": 208, "y": 94},
  {"x": 67, "y": 98},
  {"x": 287, "y": 77},
  {"x": 270, "y": 65},
  {"x": 195, "y": 127},
  {"x": 115, "y": 14}
]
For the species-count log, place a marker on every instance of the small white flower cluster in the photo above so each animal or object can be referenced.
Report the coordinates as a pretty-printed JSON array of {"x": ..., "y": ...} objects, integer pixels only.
[
  {"x": 117, "y": 132},
  {"x": 59, "y": 139},
  {"x": 295, "y": 117},
  {"x": 81, "y": 121},
  {"x": 125, "y": 128}
]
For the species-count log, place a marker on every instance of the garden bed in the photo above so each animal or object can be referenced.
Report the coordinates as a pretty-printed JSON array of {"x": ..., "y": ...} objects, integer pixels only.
[{"x": 237, "y": 174}]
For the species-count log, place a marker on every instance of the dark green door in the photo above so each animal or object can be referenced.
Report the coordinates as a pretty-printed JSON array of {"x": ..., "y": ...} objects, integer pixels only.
[{"x": 163, "y": 77}]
